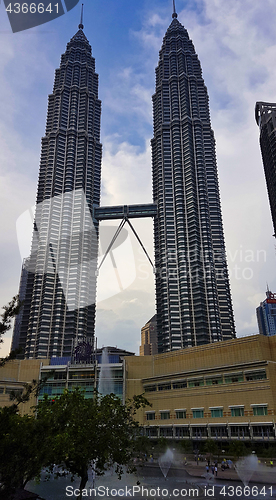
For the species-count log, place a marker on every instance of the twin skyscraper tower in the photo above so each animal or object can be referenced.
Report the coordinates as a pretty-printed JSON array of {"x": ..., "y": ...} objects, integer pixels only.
[{"x": 58, "y": 282}]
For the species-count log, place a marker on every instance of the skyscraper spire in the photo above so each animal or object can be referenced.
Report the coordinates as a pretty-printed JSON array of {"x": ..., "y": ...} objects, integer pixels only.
[
  {"x": 193, "y": 296},
  {"x": 59, "y": 305},
  {"x": 81, "y": 22},
  {"x": 174, "y": 14}
]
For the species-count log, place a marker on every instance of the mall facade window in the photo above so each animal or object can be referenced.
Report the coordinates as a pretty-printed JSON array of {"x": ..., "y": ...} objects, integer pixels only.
[
  {"x": 180, "y": 413},
  {"x": 164, "y": 414},
  {"x": 237, "y": 411},
  {"x": 216, "y": 412},
  {"x": 198, "y": 412},
  {"x": 260, "y": 409}
]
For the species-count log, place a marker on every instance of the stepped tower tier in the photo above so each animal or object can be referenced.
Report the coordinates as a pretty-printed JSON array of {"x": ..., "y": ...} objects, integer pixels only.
[
  {"x": 193, "y": 297},
  {"x": 59, "y": 306}
]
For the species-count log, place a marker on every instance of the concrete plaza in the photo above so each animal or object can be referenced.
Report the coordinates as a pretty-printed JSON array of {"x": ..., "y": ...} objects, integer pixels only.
[{"x": 190, "y": 481}]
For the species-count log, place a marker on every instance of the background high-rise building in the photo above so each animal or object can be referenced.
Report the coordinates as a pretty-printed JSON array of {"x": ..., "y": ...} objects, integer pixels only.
[
  {"x": 22, "y": 298},
  {"x": 265, "y": 114},
  {"x": 192, "y": 288},
  {"x": 266, "y": 315},
  {"x": 59, "y": 305},
  {"x": 149, "y": 338}
]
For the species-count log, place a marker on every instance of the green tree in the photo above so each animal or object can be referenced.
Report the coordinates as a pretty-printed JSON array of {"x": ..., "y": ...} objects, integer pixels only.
[
  {"x": 211, "y": 448},
  {"x": 187, "y": 446},
  {"x": 72, "y": 432},
  {"x": 96, "y": 433},
  {"x": 9, "y": 312},
  {"x": 22, "y": 452},
  {"x": 142, "y": 446},
  {"x": 237, "y": 449}
]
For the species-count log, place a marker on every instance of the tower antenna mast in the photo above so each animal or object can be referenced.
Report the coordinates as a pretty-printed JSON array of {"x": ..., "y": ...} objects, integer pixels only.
[
  {"x": 174, "y": 11},
  {"x": 81, "y": 22}
]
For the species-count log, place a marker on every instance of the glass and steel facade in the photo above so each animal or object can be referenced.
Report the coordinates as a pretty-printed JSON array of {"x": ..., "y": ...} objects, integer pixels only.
[
  {"x": 193, "y": 297},
  {"x": 266, "y": 315},
  {"x": 265, "y": 114},
  {"x": 65, "y": 373},
  {"x": 60, "y": 293}
]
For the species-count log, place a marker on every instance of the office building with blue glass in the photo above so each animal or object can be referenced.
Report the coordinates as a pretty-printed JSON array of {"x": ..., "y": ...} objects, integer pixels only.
[{"x": 266, "y": 315}]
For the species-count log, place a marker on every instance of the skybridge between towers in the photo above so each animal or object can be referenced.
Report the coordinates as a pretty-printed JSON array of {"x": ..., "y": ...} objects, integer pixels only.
[{"x": 124, "y": 212}]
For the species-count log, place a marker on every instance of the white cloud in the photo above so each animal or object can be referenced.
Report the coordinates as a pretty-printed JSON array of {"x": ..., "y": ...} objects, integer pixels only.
[
  {"x": 126, "y": 173},
  {"x": 5, "y": 346},
  {"x": 25, "y": 74},
  {"x": 120, "y": 319},
  {"x": 236, "y": 51},
  {"x": 236, "y": 45}
]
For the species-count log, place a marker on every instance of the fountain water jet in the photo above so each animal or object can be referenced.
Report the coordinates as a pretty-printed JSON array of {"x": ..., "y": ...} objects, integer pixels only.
[
  {"x": 246, "y": 467},
  {"x": 165, "y": 462},
  {"x": 106, "y": 382}
]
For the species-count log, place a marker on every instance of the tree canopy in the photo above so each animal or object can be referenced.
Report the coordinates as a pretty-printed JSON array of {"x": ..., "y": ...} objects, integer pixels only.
[
  {"x": 21, "y": 452},
  {"x": 9, "y": 312},
  {"x": 78, "y": 433}
]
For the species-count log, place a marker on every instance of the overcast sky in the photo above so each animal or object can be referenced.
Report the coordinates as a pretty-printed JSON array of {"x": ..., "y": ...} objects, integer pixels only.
[{"x": 236, "y": 44}]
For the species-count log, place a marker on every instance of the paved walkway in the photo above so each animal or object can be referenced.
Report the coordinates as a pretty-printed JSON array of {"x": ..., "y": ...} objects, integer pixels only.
[
  {"x": 179, "y": 476},
  {"x": 264, "y": 474}
]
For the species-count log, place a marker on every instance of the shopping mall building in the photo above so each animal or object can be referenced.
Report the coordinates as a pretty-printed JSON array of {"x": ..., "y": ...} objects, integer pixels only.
[{"x": 223, "y": 391}]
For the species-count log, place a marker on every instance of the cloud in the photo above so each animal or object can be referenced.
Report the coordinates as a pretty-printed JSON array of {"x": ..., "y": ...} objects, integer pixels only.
[
  {"x": 151, "y": 33},
  {"x": 26, "y": 75},
  {"x": 235, "y": 51},
  {"x": 5, "y": 346},
  {"x": 121, "y": 333},
  {"x": 126, "y": 173},
  {"x": 120, "y": 319},
  {"x": 236, "y": 44}
]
